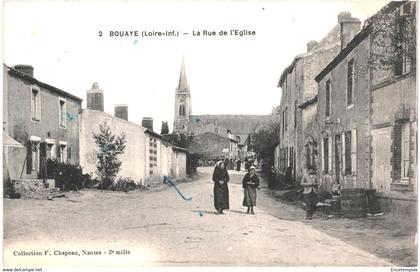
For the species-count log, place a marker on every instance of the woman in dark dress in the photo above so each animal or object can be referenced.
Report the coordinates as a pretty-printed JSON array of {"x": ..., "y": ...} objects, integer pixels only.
[
  {"x": 221, "y": 190},
  {"x": 250, "y": 183}
]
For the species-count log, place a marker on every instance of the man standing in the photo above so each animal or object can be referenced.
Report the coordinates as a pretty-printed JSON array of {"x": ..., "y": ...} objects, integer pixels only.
[{"x": 310, "y": 185}]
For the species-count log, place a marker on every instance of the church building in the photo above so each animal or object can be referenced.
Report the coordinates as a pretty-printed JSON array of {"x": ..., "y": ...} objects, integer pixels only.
[{"x": 215, "y": 136}]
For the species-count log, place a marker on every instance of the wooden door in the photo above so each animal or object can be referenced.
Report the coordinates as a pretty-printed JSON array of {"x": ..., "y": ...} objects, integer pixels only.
[{"x": 381, "y": 165}]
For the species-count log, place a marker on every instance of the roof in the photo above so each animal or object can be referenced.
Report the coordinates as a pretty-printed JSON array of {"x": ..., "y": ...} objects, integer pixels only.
[
  {"x": 344, "y": 53},
  {"x": 154, "y": 134},
  {"x": 308, "y": 102},
  {"x": 288, "y": 69},
  {"x": 177, "y": 148},
  {"x": 243, "y": 138},
  {"x": 41, "y": 84},
  {"x": 237, "y": 124}
]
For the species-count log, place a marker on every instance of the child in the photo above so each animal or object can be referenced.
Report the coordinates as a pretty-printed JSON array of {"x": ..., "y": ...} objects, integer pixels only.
[{"x": 250, "y": 183}]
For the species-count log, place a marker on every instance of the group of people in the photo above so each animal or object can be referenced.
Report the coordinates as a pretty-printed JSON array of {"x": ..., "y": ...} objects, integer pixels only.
[{"x": 250, "y": 183}]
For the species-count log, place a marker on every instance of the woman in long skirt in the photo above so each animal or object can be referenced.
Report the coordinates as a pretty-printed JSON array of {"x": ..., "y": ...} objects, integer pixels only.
[
  {"x": 221, "y": 190},
  {"x": 250, "y": 183}
]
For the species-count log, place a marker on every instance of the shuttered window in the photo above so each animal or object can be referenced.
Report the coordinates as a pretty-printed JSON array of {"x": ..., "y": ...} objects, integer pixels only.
[
  {"x": 350, "y": 82},
  {"x": 325, "y": 147},
  {"x": 347, "y": 153},
  {"x": 328, "y": 98}
]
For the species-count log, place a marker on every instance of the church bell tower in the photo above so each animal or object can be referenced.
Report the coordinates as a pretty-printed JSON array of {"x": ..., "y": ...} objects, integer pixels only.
[{"x": 182, "y": 103}]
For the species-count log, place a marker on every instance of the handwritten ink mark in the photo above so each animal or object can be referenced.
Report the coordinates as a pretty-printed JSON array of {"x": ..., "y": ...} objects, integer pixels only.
[{"x": 167, "y": 180}]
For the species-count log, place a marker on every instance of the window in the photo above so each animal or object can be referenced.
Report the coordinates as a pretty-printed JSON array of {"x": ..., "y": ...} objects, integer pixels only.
[
  {"x": 326, "y": 155},
  {"x": 350, "y": 82},
  {"x": 285, "y": 119},
  {"x": 33, "y": 155},
  {"x": 282, "y": 122},
  {"x": 403, "y": 60},
  {"x": 295, "y": 118},
  {"x": 69, "y": 154},
  {"x": 62, "y": 113},
  {"x": 50, "y": 151},
  {"x": 63, "y": 153},
  {"x": 328, "y": 98},
  {"x": 347, "y": 153},
  {"x": 216, "y": 130},
  {"x": 182, "y": 110},
  {"x": 405, "y": 151},
  {"x": 35, "y": 104}
]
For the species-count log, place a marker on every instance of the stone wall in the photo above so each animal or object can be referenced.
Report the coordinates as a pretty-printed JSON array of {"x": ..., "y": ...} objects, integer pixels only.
[{"x": 134, "y": 158}]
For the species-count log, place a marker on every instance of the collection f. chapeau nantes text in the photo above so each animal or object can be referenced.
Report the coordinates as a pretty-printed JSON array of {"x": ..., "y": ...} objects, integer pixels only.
[
  {"x": 175, "y": 33},
  {"x": 66, "y": 253}
]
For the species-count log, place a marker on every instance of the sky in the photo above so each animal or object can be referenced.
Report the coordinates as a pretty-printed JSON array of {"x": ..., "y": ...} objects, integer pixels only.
[{"x": 226, "y": 74}]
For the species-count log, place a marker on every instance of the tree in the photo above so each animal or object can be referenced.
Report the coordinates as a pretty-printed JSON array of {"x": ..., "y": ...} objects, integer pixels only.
[
  {"x": 265, "y": 139},
  {"x": 165, "y": 128},
  {"x": 110, "y": 147}
]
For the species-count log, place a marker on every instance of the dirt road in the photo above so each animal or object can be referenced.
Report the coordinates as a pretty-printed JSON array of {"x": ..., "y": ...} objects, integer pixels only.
[{"x": 160, "y": 228}]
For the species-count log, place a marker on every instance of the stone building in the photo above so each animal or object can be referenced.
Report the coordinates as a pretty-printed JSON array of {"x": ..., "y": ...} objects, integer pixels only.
[
  {"x": 298, "y": 106},
  {"x": 219, "y": 129},
  {"x": 368, "y": 110},
  {"x": 343, "y": 116},
  {"x": 147, "y": 157},
  {"x": 40, "y": 122},
  {"x": 212, "y": 147}
]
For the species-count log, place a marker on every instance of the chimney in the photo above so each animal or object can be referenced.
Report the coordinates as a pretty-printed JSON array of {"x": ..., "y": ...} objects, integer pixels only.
[
  {"x": 95, "y": 98},
  {"x": 310, "y": 45},
  {"x": 121, "y": 111},
  {"x": 349, "y": 27},
  {"x": 25, "y": 69},
  {"x": 147, "y": 122}
]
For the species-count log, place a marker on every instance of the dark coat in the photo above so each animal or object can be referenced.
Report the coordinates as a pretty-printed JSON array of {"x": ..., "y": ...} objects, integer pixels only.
[
  {"x": 221, "y": 191},
  {"x": 250, "y": 190},
  {"x": 253, "y": 179}
]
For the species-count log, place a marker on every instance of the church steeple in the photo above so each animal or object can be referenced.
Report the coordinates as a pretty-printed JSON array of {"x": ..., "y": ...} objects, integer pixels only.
[
  {"x": 182, "y": 102},
  {"x": 183, "y": 84}
]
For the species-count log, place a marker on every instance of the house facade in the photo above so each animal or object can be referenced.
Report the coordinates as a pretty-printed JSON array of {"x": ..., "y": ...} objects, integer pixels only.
[
  {"x": 43, "y": 119},
  {"x": 298, "y": 106},
  {"x": 393, "y": 98},
  {"x": 343, "y": 116},
  {"x": 367, "y": 108}
]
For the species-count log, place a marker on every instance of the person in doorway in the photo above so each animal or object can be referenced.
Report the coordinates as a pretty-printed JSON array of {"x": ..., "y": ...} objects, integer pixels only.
[
  {"x": 289, "y": 176},
  {"x": 221, "y": 190},
  {"x": 310, "y": 190},
  {"x": 250, "y": 183}
]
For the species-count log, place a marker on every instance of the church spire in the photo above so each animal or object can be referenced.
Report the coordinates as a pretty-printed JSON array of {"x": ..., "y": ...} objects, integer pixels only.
[{"x": 183, "y": 85}]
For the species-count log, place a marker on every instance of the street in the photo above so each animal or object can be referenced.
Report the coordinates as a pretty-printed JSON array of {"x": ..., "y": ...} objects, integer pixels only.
[{"x": 159, "y": 228}]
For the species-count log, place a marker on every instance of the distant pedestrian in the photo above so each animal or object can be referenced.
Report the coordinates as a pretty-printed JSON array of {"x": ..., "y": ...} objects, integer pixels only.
[
  {"x": 246, "y": 163},
  {"x": 250, "y": 183},
  {"x": 310, "y": 190},
  {"x": 221, "y": 190},
  {"x": 238, "y": 165}
]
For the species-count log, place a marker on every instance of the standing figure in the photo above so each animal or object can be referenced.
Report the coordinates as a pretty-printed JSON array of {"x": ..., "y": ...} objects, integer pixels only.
[
  {"x": 310, "y": 190},
  {"x": 250, "y": 183},
  {"x": 289, "y": 176},
  {"x": 238, "y": 165},
  {"x": 221, "y": 190},
  {"x": 246, "y": 163}
]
